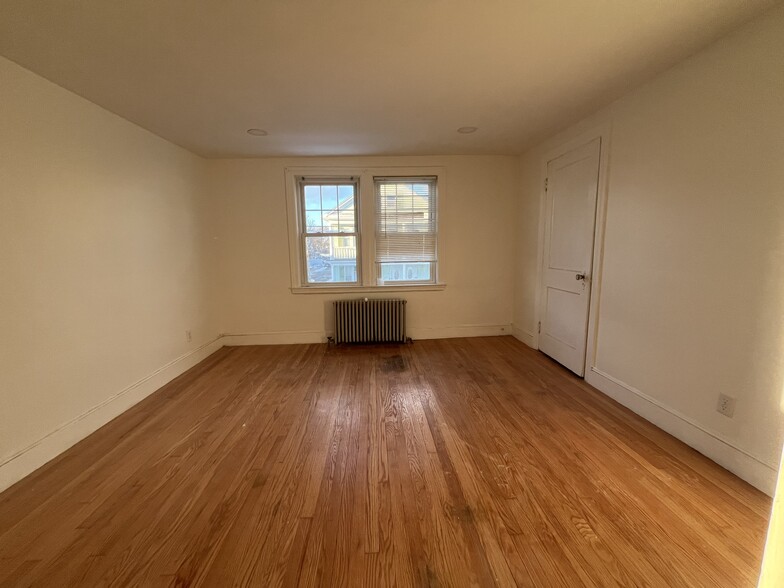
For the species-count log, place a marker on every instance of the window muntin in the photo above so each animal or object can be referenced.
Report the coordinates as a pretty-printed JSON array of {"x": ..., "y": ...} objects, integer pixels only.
[
  {"x": 406, "y": 230},
  {"x": 329, "y": 235}
]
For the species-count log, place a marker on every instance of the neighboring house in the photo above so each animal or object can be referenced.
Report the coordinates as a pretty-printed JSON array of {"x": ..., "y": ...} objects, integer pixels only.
[{"x": 341, "y": 256}]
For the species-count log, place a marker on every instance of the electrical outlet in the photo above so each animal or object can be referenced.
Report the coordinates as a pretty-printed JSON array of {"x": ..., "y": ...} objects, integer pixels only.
[
  {"x": 188, "y": 336},
  {"x": 726, "y": 405}
]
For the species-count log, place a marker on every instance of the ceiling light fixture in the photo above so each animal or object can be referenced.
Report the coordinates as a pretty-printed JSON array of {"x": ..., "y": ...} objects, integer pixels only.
[
  {"x": 467, "y": 130},
  {"x": 257, "y": 132}
]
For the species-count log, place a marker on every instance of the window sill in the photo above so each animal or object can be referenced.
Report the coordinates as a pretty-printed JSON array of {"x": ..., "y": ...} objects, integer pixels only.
[{"x": 365, "y": 289}]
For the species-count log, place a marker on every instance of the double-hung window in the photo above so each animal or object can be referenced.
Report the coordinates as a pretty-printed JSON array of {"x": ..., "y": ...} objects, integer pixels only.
[
  {"x": 406, "y": 237},
  {"x": 328, "y": 231},
  {"x": 363, "y": 229}
]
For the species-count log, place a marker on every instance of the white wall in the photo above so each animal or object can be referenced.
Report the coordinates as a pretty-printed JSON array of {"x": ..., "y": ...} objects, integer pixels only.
[
  {"x": 102, "y": 267},
  {"x": 692, "y": 286},
  {"x": 477, "y": 220}
]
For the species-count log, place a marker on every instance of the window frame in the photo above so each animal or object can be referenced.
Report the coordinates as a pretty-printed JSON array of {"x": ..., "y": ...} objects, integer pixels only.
[
  {"x": 367, "y": 268},
  {"x": 434, "y": 180},
  {"x": 303, "y": 181}
]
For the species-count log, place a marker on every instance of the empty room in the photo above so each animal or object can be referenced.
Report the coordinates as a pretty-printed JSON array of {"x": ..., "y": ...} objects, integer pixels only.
[{"x": 414, "y": 293}]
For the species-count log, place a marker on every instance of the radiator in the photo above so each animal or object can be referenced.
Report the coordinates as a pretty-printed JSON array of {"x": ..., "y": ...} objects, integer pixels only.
[{"x": 370, "y": 321}]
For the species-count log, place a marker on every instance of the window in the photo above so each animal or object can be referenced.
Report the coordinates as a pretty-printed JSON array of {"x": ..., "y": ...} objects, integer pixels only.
[
  {"x": 405, "y": 229},
  {"x": 329, "y": 230},
  {"x": 363, "y": 229}
]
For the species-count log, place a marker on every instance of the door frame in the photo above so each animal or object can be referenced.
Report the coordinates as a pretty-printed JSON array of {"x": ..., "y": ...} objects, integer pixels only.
[{"x": 604, "y": 133}]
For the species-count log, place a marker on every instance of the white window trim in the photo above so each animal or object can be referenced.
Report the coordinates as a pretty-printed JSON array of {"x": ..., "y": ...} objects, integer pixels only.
[{"x": 366, "y": 223}]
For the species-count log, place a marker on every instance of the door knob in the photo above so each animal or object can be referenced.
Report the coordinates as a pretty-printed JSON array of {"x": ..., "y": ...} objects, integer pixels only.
[{"x": 579, "y": 277}]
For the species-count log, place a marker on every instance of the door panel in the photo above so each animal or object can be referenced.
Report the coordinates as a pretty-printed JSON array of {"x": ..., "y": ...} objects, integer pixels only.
[
  {"x": 572, "y": 205},
  {"x": 563, "y": 310},
  {"x": 570, "y": 216}
]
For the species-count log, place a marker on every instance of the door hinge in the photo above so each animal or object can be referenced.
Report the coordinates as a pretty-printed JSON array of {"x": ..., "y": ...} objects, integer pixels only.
[
  {"x": 539, "y": 328},
  {"x": 546, "y": 183}
]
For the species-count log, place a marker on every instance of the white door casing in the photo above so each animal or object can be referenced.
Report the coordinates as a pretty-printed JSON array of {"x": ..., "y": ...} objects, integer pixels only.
[{"x": 569, "y": 225}]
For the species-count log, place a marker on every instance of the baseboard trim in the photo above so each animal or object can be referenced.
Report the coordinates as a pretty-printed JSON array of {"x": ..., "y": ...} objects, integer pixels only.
[
  {"x": 25, "y": 461},
  {"x": 274, "y": 338},
  {"x": 299, "y": 337},
  {"x": 459, "y": 331},
  {"x": 711, "y": 444},
  {"x": 523, "y": 336}
]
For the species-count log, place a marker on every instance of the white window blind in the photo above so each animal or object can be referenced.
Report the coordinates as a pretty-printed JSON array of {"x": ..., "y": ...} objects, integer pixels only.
[{"x": 406, "y": 223}]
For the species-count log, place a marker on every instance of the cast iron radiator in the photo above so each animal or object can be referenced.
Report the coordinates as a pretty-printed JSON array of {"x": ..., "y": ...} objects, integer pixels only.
[{"x": 370, "y": 321}]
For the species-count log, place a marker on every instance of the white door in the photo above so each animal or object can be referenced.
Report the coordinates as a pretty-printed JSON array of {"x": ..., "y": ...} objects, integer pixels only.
[{"x": 570, "y": 217}]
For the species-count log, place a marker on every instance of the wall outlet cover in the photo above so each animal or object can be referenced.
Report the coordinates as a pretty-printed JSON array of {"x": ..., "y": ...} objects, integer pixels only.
[{"x": 726, "y": 405}]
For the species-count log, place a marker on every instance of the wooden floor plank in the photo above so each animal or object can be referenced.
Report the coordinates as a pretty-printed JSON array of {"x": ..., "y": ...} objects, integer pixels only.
[{"x": 462, "y": 462}]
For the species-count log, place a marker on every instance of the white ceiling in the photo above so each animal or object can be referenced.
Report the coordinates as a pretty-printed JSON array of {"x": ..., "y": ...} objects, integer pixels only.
[{"x": 341, "y": 77}]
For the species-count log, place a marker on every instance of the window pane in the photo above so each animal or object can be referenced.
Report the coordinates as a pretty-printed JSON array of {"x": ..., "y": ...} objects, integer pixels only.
[
  {"x": 347, "y": 219},
  {"x": 329, "y": 197},
  {"x": 313, "y": 221},
  {"x": 405, "y": 272},
  {"x": 312, "y": 198},
  {"x": 345, "y": 192},
  {"x": 330, "y": 219},
  {"x": 346, "y": 212},
  {"x": 331, "y": 259}
]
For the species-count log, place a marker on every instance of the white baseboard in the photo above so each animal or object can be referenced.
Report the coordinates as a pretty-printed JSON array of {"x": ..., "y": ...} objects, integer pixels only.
[
  {"x": 294, "y": 337},
  {"x": 27, "y": 460},
  {"x": 459, "y": 331},
  {"x": 523, "y": 336},
  {"x": 750, "y": 468},
  {"x": 274, "y": 338}
]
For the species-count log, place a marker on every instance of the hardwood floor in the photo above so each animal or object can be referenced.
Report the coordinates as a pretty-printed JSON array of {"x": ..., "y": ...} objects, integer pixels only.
[{"x": 459, "y": 462}]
